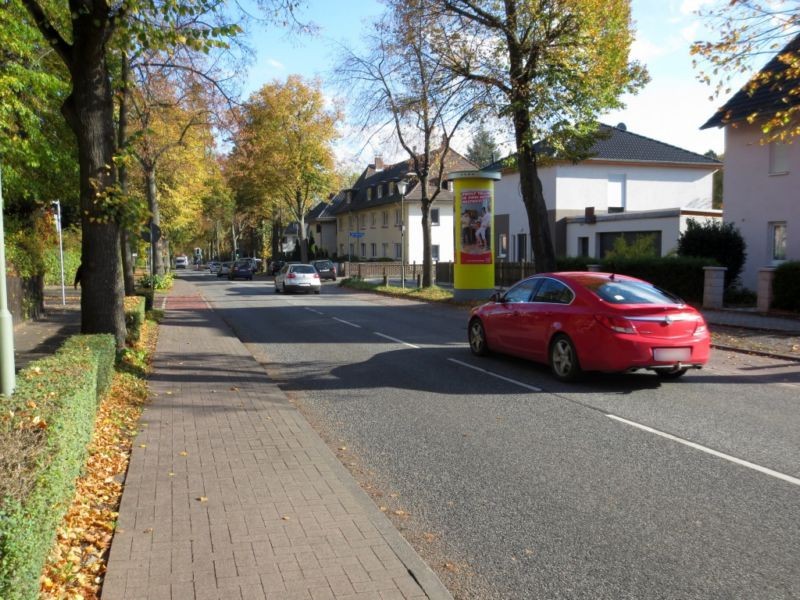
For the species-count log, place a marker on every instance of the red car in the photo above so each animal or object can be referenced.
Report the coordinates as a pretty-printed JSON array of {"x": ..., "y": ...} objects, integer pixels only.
[{"x": 586, "y": 321}]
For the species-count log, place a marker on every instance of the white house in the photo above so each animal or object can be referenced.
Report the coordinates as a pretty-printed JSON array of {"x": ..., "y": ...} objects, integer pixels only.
[
  {"x": 761, "y": 181},
  {"x": 630, "y": 185}
]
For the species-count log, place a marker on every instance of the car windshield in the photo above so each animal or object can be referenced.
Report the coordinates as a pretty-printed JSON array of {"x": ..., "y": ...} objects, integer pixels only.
[
  {"x": 242, "y": 263},
  {"x": 303, "y": 269},
  {"x": 630, "y": 292}
]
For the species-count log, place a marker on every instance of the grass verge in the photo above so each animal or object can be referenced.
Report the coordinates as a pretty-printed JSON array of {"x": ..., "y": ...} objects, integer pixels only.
[
  {"x": 77, "y": 563},
  {"x": 430, "y": 294}
]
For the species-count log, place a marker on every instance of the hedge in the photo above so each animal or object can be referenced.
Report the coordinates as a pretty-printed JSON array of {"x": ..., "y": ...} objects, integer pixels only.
[
  {"x": 786, "y": 286},
  {"x": 51, "y": 418},
  {"x": 681, "y": 275},
  {"x": 134, "y": 317}
]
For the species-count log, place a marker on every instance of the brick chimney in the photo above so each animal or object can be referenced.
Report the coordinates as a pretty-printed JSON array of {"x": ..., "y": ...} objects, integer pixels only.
[{"x": 379, "y": 163}]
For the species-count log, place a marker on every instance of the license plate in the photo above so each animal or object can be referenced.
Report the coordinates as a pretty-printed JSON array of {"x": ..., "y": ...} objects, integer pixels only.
[{"x": 672, "y": 354}]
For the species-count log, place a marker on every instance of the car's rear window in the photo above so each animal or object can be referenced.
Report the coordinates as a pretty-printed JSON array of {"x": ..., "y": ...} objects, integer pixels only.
[
  {"x": 323, "y": 264},
  {"x": 303, "y": 269},
  {"x": 630, "y": 292}
]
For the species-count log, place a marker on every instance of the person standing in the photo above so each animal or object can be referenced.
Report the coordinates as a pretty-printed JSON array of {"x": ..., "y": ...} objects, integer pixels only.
[{"x": 485, "y": 226}]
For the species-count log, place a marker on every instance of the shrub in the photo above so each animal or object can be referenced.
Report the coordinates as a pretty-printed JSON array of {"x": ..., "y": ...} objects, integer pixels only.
[
  {"x": 721, "y": 241},
  {"x": 134, "y": 317},
  {"x": 683, "y": 276},
  {"x": 644, "y": 246},
  {"x": 786, "y": 286},
  {"x": 574, "y": 263},
  {"x": 49, "y": 422},
  {"x": 156, "y": 282},
  {"x": 52, "y": 266}
]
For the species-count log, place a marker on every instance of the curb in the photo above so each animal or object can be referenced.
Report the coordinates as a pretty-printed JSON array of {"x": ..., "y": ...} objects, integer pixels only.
[{"x": 764, "y": 353}]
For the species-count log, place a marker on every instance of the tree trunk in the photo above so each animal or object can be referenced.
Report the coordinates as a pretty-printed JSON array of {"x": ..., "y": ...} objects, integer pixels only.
[
  {"x": 301, "y": 227},
  {"x": 532, "y": 196},
  {"x": 155, "y": 219},
  {"x": 425, "y": 206},
  {"x": 122, "y": 172},
  {"x": 89, "y": 110}
]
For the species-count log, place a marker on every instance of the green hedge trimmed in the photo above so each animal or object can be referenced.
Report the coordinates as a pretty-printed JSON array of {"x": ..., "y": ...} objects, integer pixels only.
[
  {"x": 61, "y": 391},
  {"x": 134, "y": 317},
  {"x": 786, "y": 287},
  {"x": 681, "y": 275}
]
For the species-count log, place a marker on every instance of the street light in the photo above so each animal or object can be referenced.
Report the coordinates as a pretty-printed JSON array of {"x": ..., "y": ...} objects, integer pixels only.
[
  {"x": 402, "y": 186},
  {"x": 7, "y": 371}
]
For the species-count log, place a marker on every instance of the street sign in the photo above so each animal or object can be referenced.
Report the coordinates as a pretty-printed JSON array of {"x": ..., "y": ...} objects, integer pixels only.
[{"x": 357, "y": 234}]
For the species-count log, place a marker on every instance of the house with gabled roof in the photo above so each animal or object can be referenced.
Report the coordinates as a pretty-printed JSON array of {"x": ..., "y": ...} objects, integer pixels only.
[
  {"x": 761, "y": 180},
  {"x": 629, "y": 186},
  {"x": 369, "y": 215},
  {"x": 321, "y": 222}
]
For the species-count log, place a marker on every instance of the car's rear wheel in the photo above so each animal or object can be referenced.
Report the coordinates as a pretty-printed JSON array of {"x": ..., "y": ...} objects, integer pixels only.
[
  {"x": 564, "y": 359},
  {"x": 671, "y": 373},
  {"x": 284, "y": 288},
  {"x": 316, "y": 291},
  {"x": 477, "y": 338}
]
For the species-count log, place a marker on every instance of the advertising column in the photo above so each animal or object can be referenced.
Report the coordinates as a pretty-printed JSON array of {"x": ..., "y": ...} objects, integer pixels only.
[{"x": 474, "y": 244}]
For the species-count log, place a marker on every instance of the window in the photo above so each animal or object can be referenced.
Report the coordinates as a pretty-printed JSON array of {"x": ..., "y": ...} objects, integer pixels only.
[
  {"x": 369, "y": 193},
  {"x": 445, "y": 185},
  {"x": 352, "y": 222},
  {"x": 352, "y": 250},
  {"x": 583, "y": 246},
  {"x": 341, "y": 248},
  {"x": 522, "y": 247},
  {"x": 385, "y": 217},
  {"x": 522, "y": 291},
  {"x": 554, "y": 292},
  {"x": 777, "y": 237},
  {"x": 434, "y": 216},
  {"x": 373, "y": 250},
  {"x": 373, "y": 219},
  {"x": 398, "y": 253},
  {"x": 385, "y": 250},
  {"x": 435, "y": 252},
  {"x": 778, "y": 158},
  {"x": 363, "y": 221},
  {"x": 605, "y": 241},
  {"x": 397, "y": 218},
  {"x": 379, "y": 189},
  {"x": 502, "y": 245},
  {"x": 616, "y": 193},
  {"x": 364, "y": 249}
]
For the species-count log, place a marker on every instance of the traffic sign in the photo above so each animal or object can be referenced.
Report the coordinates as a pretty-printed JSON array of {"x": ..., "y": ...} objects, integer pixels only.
[{"x": 357, "y": 234}]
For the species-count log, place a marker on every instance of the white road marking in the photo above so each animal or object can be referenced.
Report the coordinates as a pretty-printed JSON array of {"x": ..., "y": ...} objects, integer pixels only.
[
  {"x": 514, "y": 381},
  {"x": 388, "y": 337},
  {"x": 347, "y": 322},
  {"x": 313, "y": 311},
  {"x": 733, "y": 459}
]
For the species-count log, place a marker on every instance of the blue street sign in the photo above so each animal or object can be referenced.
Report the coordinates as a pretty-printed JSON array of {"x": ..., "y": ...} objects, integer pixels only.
[{"x": 356, "y": 234}]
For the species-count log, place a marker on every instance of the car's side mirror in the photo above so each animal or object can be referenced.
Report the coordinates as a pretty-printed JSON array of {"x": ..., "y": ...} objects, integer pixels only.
[{"x": 496, "y": 297}]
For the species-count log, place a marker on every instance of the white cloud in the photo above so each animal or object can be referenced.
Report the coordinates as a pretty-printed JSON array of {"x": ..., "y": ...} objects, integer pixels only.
[
  {"x": 690, "y": 7},
  {"x": 276, "y": 63},
  {"x": 645, "y": 50}
]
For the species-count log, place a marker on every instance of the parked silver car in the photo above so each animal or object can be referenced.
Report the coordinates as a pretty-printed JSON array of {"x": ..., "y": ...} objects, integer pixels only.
[
  {"x": 224, "y": 269},
  {"x": 296, "y": 276}
]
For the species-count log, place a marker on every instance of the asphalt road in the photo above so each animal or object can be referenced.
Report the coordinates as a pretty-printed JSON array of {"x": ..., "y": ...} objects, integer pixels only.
[{"x": 514, "y": 485}]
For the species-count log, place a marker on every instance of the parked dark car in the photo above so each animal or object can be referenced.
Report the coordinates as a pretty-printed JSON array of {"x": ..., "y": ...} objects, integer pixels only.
[
  {"x": 241, "y": 269},
  {"x": 584, "y": 321},
  {"x": 325, "y": 268}
]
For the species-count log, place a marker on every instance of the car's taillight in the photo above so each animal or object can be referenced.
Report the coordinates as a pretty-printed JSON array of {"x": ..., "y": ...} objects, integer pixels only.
[
  {"x": 615, "y": 323},
  {"x": 700, "y": 327},
  {"x": 291, "y": 276},
  {"x": 316, "y": 275}
]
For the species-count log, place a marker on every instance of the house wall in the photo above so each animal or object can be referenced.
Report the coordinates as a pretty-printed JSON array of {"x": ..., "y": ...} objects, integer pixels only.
[
  {"x": 569, "y": 189},
  {"x": 326, "y": 238},
  {"x": 670, "y": 225},
  {"x": 753, "y": 198},
  {"x": 441, "y": 235}
]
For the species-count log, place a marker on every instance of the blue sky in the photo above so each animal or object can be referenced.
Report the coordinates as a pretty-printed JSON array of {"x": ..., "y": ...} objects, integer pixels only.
[{"x": 671, "y": 108}]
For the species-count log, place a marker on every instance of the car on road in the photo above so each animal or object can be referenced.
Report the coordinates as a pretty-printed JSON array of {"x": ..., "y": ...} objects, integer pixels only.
[
  {"x": 181, "y": 262},
  {"x": 586, "y": 321},
  {"x": 241, "y": 269},
  {"x": 325, "y": 268},
  {"x": 275, "y": 266},
  {"x": 297, "y": 276},
  {"x": 224, "y": 268},
  {"x": 213, "y": 266}
]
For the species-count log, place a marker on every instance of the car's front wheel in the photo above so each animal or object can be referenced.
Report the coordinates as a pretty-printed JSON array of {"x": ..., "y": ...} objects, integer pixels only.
[
  {"x": 477, "y": 338},
  {"x": 564, "y": 359}
]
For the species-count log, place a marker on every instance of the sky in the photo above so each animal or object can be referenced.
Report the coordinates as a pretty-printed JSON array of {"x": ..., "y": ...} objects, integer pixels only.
[{"x": 671, "y": 108}]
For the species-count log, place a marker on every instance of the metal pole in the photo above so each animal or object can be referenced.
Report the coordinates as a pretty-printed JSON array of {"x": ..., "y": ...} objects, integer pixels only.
[
  {"x": 402, "y": 240},
  {"x": 7, "y": 375},
  {"x": 60, "y": 250}
]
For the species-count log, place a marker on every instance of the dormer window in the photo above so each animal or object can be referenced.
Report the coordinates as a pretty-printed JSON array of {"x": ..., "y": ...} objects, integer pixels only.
[
  {"x": 369, "y": 193},
  {"x": 380, "y": 190}
]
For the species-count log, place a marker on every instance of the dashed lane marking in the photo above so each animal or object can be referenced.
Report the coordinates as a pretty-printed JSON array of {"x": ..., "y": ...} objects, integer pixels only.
[
  {"x": 347, "y": 322},
  {"x": 388, "y": 337}
]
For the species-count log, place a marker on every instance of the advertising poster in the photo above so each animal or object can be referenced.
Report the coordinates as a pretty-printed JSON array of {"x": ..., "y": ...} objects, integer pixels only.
[{"x": 475, "y": 241}]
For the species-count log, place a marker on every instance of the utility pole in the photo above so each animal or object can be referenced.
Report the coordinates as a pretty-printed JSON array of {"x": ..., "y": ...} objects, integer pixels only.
[{"x": 7, "y": 374}]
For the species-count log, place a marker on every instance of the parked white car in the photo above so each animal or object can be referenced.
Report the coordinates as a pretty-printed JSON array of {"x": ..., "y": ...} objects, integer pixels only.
[{"x": 181, "y": 262}]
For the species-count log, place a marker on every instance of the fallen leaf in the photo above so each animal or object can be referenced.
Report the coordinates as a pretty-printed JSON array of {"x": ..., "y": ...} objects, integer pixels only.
[
  {"x": 148, "y": 530},
  {"x": 342, "y": 447},
  {"x": 400, "y": 512},
  {"x": 383, "y": 508},
  {"x": 203, "y": 499},
  {"x": 171, "y": 474},
  {"x": 234, "y": 388},
  {"x": 142, "y": 445},
  {"x": 286, "y": 518},
  {"x": 184, "y": 453}
]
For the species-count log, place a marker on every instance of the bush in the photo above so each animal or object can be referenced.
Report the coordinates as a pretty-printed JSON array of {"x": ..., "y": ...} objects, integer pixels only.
[
  {"x": 721, "y": 241},
  {"x": 44, "y": 435},
  {"x": 574, "y": 263},
  {"x": 683, "y": 276},
  {"x": 134, "y": 317},
  {"x": 786, "y": 287},
  {"x": 156, "y": 282},
  {"x": 52, "y": 266}
]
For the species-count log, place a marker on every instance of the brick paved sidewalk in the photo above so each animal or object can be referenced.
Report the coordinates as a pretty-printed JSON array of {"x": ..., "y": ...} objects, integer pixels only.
[{"x": 230, "y": 493}]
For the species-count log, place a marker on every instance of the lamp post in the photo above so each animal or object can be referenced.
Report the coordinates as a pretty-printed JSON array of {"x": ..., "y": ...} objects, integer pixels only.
[
  {"x": 57, "y": 204},
  {"x": 402, "y": 185},
  {"x": 7, "y": 372}
]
